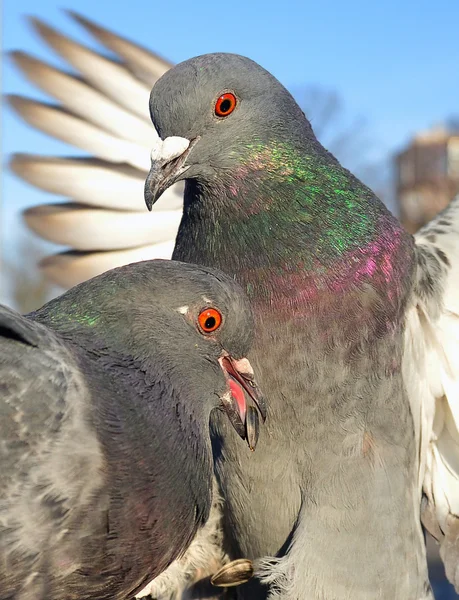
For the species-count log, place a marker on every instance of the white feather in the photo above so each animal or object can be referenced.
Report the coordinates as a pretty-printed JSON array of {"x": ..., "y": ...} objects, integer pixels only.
[
  {"x": 104, "y": 112},
  {"x": 144, "y": 64},
  {"x": 86, "y": 102},
  {"x": 86, "y": 228},
  {"x": 111, "y": 78},
  {"x": 431, "y": 369},
  {"x": 93, "y": 181},
  {"x": 69, "y": 269},
  {"x": 72, "y": 130}
]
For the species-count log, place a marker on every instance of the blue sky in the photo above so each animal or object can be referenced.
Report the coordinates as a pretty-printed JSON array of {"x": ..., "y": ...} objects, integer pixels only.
[{"x": 394, "y": 63}]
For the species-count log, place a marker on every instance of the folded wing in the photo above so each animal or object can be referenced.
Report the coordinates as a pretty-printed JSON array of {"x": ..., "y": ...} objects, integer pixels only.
[{"x": 432, "y": 376}]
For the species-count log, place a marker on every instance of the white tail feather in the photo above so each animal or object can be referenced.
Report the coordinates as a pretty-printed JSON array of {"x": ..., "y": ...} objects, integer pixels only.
[{"x": 86, "y": 228}]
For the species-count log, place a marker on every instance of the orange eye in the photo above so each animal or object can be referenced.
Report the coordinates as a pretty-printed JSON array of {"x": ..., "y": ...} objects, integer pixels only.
[
  {"x": 225, "y": 105},
  {"x": 209, "y": 320}
]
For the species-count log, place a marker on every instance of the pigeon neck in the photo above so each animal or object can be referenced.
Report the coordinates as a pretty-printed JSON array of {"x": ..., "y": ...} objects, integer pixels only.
[{"x": 292, "y": 221}]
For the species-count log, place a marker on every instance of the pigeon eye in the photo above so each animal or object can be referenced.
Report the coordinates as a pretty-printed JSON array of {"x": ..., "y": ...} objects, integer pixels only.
[
  {"x": 209, "y": 320},
  {"x": 225, "y": 105}
]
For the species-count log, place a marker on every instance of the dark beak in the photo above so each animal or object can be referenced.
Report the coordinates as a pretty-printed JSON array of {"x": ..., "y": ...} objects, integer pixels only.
[
  {"x": 241, "y": 382},
  {"x": 163, "y": 173}
]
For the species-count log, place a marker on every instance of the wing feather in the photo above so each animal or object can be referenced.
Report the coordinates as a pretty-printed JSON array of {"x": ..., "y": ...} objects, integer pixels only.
[
  {"x": 102, "y": 109},
  {"x": 89, "y": 228},
  {"x": 69, "y": 268},
  {"x": 112, "y": 78},
  {"x": 432, "y": 375},
  {"x": 77, "y": 96},
  {"x": 92, "y": 181},
  {"x": 148, "y": 67}
]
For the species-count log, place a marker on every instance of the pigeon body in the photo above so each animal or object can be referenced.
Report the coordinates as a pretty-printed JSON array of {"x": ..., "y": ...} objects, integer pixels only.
[
  {"x": 106, "y": 397},
  {"x": 332, "y": 278}
]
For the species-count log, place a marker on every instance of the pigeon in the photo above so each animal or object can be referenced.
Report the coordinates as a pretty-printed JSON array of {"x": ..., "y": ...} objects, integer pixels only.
[
  {"x": 105, "y": 226},
  {"x": 363, "y": 442},
  {"x": 106, "y": 455}
]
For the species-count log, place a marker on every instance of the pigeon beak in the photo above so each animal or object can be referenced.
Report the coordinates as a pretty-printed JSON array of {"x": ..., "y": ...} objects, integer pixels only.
[
  {"x": 240, "y": 378},
  {"x": 168, "y": 159}
]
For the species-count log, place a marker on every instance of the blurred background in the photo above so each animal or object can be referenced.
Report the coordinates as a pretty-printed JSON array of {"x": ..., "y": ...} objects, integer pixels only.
[{"x": 378, "y": 81}]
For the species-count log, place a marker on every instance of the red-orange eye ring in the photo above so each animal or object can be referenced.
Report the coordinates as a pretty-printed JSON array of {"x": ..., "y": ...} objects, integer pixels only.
[
  {"x": 209, "y": 320},
  {"x": 225, "y": 104}
]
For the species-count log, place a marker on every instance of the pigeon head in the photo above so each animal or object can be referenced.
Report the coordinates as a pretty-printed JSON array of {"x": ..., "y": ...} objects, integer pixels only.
[
  {"x": 218, "y": 321},
  {"x": 193, "y": 324},
  {"x": 208, "y": 110}
]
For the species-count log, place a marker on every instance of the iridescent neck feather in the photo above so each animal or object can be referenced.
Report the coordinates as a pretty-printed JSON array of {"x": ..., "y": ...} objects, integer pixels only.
[{"x": 294, "y": 227}]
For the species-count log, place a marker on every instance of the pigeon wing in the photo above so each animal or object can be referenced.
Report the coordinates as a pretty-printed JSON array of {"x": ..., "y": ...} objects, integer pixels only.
[
  {"x": 431, "y": 372},
  {"x": 51, "y": 460},
  {"x": 102, "y": 109}
]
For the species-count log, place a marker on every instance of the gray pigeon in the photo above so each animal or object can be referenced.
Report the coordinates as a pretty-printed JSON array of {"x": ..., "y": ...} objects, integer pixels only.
[
  {"x": 357, "y": 341},
  {"x": 106, "y": 455}
]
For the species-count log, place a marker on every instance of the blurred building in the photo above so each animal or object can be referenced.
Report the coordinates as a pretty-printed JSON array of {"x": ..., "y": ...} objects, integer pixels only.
[{"x": 427, "y": 176}]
